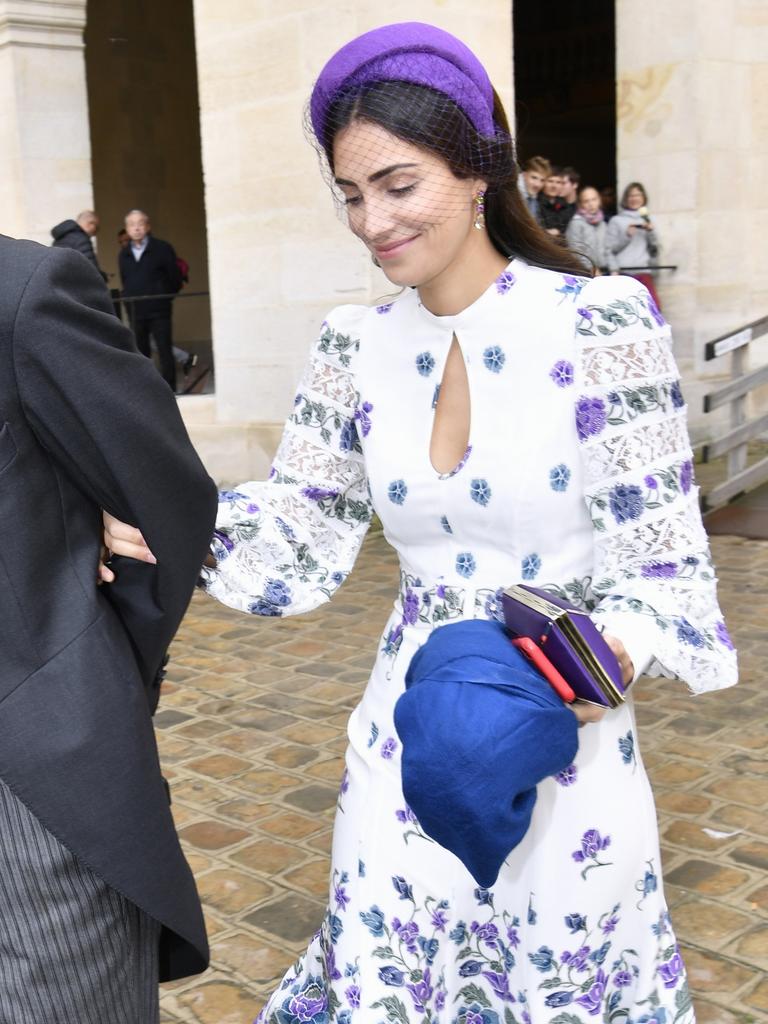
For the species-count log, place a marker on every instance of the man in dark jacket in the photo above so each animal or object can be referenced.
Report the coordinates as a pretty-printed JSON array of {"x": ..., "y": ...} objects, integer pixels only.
[
  {"x": 96, "y": 898},
  {"x": 77, "y": 234},
  {"x": 555, "y": 212},
  {"x": 148, "y": 266}
]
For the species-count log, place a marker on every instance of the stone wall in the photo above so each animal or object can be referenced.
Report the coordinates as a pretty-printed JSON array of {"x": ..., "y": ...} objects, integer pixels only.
[
  {"x": 279, "y": 256},
  {"x": 693, "y": 127}
]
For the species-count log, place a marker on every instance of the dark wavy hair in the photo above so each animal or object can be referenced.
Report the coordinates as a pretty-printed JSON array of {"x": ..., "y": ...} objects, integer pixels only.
[{"x": 428, "y": 119}]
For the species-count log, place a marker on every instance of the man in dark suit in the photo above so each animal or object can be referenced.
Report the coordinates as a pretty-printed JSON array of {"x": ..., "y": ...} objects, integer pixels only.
[
  {"x": 148, "y": 266},
  {"x": 96, "y": 899},
  {"x": 77, "y": 234}
]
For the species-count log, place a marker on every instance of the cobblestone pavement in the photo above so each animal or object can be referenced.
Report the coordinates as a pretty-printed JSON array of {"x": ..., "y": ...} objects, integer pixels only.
[{"x": 252, "y": 730}]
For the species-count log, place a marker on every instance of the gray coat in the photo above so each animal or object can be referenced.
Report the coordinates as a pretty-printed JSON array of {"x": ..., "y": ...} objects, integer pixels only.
[
  {"x": 641, "y": 249},
  {"x": 587, "y": 241},
  {"x": 88, "y": 424}
]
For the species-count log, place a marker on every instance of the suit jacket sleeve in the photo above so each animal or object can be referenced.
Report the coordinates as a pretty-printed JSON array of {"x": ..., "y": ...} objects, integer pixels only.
[{"x": 111, "y": 424}]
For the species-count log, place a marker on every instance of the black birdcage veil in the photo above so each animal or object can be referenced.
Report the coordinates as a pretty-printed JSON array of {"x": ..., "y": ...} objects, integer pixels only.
[{"x": 402, "y": 158}]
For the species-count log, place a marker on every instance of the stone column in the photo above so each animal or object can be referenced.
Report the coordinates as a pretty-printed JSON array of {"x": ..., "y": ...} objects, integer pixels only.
[
  {"x": 692, "y": 111},
  {"x": 45, "y": 151},
  {"x": 279, "y": 257}
]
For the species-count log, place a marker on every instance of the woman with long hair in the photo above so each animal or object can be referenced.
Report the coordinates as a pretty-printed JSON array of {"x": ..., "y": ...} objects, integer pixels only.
[{"x": 508, "y": 419}]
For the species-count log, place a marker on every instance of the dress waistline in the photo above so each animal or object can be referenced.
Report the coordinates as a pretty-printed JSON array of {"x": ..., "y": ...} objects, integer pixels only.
[{"x": 430, "y": 604}]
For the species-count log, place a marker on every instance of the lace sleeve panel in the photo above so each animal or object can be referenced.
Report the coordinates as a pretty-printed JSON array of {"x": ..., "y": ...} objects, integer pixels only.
[
  {"x": 285, "y": 545},
  {"x": 653, "y": 572}
]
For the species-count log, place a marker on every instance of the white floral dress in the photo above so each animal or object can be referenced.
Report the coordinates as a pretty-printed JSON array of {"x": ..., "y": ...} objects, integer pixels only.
[{"x": 577, "y": 477}]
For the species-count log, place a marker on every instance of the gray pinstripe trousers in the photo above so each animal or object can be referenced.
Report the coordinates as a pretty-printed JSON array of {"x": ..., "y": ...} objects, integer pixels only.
[{"x": 72, "y": 950}]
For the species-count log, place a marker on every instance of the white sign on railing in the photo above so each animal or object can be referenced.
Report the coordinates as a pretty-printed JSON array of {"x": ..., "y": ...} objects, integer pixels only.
[{"x": 731, "y": 342}]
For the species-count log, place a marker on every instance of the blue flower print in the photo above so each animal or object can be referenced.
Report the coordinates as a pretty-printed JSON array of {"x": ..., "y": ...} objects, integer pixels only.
[
  {"x": 347, "y": 436},
  {"x": 397, "y": 491},
  {"x": 391, "y": 976},
  {"x": 445, "y": 524},
  {"x": 571, "y": 287},
  {"x": 435, "y": 396},
  {"x": 688, "y": 634},
  {"x": 265, "y": 608},
  {"x": 277, "y": 592},
  {"x": 470, "y": 968},
  {"x": 318, "y": 493},
  {"x": 626, "y": 502},
  {"x": 476, "y": 1014},
  {"x": 425, "y": 363},
  {"x": 385, "y": 308},
  {"x": 676, "y": 395},
  {"x": 576, "y": 923},
  {"x": 306, "y": 1005},
  {"x": 647, "y": 884},
  {"x": 504, "y": 281},
  {"x": 591, "y": 417},
  {"x": 402, "y": 888},
  {"x": 559, "y": 999},
  {"x": 465, "y": 564},
  {"x": 543, "y": 959},
  {"x": 562, "y": 373},
  {"x": 627, "y": 747},
  {"x": 559, "y": 477},
  {"x": 655, "y": 312},
  {"x": 484, "y": 897},
  {"x": 494, "y": 359},
  {"x": 373, "y": 920},
  {"x": 335, "y": 927},
  {"x": 480, "y": 491},
  {"x": 531, "y": 566}
]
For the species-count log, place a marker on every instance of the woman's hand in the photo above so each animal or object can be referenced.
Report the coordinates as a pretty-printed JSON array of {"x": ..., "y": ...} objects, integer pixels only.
[
  {"x": 122, "y": 539},
  {"x": 587, "y": 713}
]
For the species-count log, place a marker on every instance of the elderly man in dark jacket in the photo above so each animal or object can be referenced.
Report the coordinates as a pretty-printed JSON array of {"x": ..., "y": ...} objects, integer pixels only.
[
  {"x": 148, "y": 266},
  {"x": 77, "y": 235},
  {"x": 96, "y": 899}
]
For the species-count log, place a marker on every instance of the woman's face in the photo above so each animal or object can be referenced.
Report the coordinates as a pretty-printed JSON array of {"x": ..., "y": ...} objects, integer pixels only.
[
  {"x": 589, "y": 199},
  {"x": 635, "y": 199},
  {"x": 403, "y": 202}
]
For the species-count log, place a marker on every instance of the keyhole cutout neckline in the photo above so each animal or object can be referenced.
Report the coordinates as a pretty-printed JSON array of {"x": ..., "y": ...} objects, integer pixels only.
[{"x": 451, "y": 403}]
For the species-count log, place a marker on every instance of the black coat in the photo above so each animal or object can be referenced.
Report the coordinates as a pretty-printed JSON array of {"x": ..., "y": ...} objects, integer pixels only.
[
  {"x": 69, "y": 235},
  {"x": 555, "y": 212},
  {"x": 87, "y": 423},
  {"x": 156, "y": 273}
]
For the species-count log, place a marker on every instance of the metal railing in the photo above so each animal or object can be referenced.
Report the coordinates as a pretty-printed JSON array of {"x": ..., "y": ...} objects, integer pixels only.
[{"x": 734, "y": 444}]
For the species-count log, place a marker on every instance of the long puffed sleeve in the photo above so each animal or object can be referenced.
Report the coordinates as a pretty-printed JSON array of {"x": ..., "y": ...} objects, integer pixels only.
[
  {"x": 653, "y": 573},
  {"x": 285, "y": 545}
]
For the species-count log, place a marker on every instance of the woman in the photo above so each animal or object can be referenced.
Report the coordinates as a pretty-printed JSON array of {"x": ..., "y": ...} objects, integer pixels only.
[
  {"x": 585, "y": 234},
  {"x": 632, "y": 240},
  {"x": 508, "y": 420}
]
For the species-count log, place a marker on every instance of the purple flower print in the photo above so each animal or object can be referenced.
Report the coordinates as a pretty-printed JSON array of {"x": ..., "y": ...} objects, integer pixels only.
[
  {"x": 391, "y": 976},
  {"x": 651, "y": 483},
  {"x": 571, "y": 286},
  {"x": 362, "y": 415},
  {"x": 562, "y": 373},
  {"x": 406, "y": 816},
  {"x": 487, "y": 933},
  {"x": 232, "y": 496},
  {"x": 592, "y": 1000},
  {"x": 584, "y": 313},
  {"x": 388, "y": 748},
  {"x": 671, "y": 972},
  {"x": 676, "y": 394},
  {"x": 407, "y": 932},
  {"x": 610, "y": 925},
  {"x": 421, "y": 992},
  {"x": 440, "y": 1000},
  {"x": 568, "y": 776},
  {"x": 410, "y": 607},
  {"x": 723, "y": 636},
  {"x": 318, "y": 493},
  {"x": 504, "y": 281},
  {"x": 688, "y": 634},
  {"x": 353, "y": 996},
  {"x": 439, "y": 920},
  {"x": 686, "y": 476},
  {"x": 591, "y": 417},
  {"x": 576, "y": 961},
  {"x": 592, "y": 844},
  {"x": 659, "y": 570},
  {"x": 385, "y": 308},
  {"x": 425, "y": 363},
  {"x": 626, "y": 502},
  {"x": 225, "y": 540},
  {"x": 494, "y": 359},
  {"x": 344, "y": 786},
  {"x": 465, "y": 564},
  {"x": 622, "y": 979},
  {"x": 305, "y": 1009},
  {"x": 330, "y": 964},
  {"x": 309, "y": 1005},
  {"x": 340, "y": 895},
  {"x": 499, "y": 984},
  {"x": 512, "y": 937},
  {"x": 655, "y": 312}
]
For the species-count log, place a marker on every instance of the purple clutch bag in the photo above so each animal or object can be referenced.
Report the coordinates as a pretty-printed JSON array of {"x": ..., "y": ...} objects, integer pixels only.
[{"x": 556, "y": 635}]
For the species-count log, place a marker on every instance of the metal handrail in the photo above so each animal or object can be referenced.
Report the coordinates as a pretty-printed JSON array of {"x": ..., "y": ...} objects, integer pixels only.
[
  {"x": 117, "y": 296},
  {"x": 734, "y": 444}
]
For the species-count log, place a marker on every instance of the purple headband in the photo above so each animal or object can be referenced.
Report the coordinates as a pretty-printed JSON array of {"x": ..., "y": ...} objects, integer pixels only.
[{"x": 433, "y": 57}]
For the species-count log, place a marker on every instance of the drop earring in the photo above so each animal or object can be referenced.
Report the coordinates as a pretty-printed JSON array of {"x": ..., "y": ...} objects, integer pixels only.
[{"x": 480, "y": 211}]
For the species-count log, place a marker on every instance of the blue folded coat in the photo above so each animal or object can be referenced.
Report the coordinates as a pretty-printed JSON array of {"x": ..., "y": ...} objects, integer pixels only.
[{"x": 479, "y": 728}]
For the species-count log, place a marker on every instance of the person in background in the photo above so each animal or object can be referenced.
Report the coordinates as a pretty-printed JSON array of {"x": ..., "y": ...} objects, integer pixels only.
[
  {"x": 122, "y": 238},
  {"x": 530, "y": 182},
  {"x": 632, "y": 240},
  {"x": 571, "y": 183},
  {"x": 78, "y": 235},
  {"x": 554, "y": 211},
  {"x": 608, "y": 197},
  {"x": 148, "y": 266},
  {"x": 585, "y": 234}
]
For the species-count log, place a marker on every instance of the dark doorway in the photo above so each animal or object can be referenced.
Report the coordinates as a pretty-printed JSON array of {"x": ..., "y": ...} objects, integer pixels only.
[
  {"x": 141, "y": 70},
  {"x": 565, "y": 85}
]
